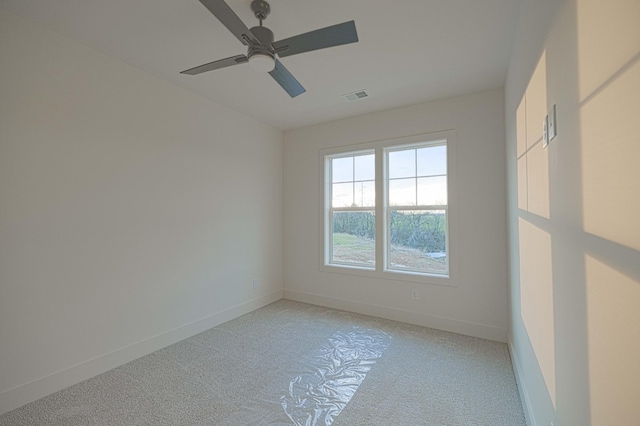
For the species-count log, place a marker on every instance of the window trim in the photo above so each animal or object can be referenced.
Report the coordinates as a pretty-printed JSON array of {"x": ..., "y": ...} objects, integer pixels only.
[{"x": 381, "y": 271}]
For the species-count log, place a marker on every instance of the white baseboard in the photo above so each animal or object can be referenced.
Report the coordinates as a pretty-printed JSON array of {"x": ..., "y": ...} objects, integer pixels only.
[
  {"x": 28, "y": 392},
  {"x": 524, "y": 396},
  {"x": 447, "y": 324}
]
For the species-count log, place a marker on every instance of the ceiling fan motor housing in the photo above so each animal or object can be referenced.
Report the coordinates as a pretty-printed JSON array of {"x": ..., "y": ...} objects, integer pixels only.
[{"x": 264, "y": 36}]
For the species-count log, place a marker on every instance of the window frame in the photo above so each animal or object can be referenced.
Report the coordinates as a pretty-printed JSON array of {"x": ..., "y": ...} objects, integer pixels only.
[
  {"x": 381, "y": 269},
  {"x": 388, "y": 208},
  {"x": 330, "y": 209}
]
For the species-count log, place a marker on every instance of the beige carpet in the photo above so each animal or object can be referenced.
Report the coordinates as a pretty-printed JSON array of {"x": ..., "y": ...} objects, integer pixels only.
[{"x": 296, "y": 364}]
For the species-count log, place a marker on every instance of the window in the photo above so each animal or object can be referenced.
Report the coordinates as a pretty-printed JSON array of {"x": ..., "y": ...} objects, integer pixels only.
[
  {"x": 386, "y": 208},
  {"x": 352, "y": 209},
  {"x": 416, "y": 211}
]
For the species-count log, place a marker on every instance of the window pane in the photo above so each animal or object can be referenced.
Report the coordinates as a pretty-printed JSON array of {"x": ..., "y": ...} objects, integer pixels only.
[
  {"x": 402, "y": 163},
  {"x": 365, "y": 167},
  {"x": 353, "y": 238},
  {"x": 402, "y": 192},
  {"x": 365, "y": 194},
  {"x": 418, "y": 241},
  {"x": 432, "y": 160},
  {"x": 432, "y": 191},
  {"x": 342, "y": 195},
  {"x": 342, "y": 169}
]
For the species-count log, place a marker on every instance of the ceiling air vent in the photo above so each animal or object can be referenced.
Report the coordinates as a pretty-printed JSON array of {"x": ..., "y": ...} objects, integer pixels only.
[{"x": 354, "y": 96}]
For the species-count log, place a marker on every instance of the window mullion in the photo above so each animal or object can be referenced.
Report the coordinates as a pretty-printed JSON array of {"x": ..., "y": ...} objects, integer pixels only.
[
  {"x": 380, "y": 205},
  {"x": 353, "y": 181},
  {"x": 328, "y": 202},
  {"x": 415, "y": 161}
]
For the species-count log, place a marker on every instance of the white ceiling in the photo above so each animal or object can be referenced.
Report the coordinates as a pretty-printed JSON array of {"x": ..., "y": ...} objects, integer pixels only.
[{"x": 410, "y": 51}]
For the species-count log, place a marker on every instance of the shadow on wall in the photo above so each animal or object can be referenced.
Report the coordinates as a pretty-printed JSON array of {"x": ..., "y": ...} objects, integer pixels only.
[{"x": 579, "y": 212}]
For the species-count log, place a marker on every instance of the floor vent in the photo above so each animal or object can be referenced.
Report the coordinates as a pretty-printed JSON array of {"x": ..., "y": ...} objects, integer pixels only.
[{"x": 354, "y": 96}]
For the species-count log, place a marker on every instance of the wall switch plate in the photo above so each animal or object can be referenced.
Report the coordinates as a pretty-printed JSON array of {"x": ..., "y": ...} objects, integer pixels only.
[
  {"x": 552, "y": 128},
  {"x": 545, "y": 131}
]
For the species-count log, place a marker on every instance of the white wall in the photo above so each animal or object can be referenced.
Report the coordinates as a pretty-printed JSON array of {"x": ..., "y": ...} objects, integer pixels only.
[
  {"x": 573, "y": 211},
  {"x": 477, "y": 305},
  {"x": 132, "y": 213}
]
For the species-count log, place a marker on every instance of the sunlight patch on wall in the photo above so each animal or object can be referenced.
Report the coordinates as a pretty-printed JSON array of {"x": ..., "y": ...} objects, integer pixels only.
[
  {"x": 538, "y": 181},
  {"x": 609, "y": 84},
  {"x": 536, "y": 275},
  {"x": 536, "y": 298},
  {"x": 610, "y": 131},
  {"x": 522, "y": 183},
  {"x": 521, "y": 152},
  {"x": 521, "y": 127},
  {"x": 608, "y": 38},
  {"x": 533, "y": 162},
  {"x": 536, "y": 106},
  {"x": 613, "y": 322}
]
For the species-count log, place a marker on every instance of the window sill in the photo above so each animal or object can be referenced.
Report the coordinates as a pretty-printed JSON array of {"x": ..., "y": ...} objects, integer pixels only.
[{"x": 421, "y": 278}]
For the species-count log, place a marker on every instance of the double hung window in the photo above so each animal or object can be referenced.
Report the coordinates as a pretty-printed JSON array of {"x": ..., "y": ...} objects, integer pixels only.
[
  {"x": 386, "y": 207},
  {"x": 416, "y": 211},
  {"x": 352, "y": 209}
]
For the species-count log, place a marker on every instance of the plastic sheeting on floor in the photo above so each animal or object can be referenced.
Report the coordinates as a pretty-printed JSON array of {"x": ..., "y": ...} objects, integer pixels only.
[{"x": 329, "y": 377}]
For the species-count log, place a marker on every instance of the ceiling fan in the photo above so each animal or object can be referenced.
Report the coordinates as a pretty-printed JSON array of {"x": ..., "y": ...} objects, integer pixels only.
[{"x": 263, "y": 52}]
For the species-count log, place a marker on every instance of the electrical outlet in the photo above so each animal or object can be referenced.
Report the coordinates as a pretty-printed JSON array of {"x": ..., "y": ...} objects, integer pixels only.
[
  {"x": 255, "y": 283},
  {"x": 414, "y": 294}
]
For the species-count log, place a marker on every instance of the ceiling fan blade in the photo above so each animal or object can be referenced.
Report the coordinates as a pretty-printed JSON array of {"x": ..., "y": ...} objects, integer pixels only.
[
  {"x": 287, "y": 80},
  {"x": 229, "y": 19},
  {"x": 222, "y": 63},
  {"x": 334, "y": 35}
]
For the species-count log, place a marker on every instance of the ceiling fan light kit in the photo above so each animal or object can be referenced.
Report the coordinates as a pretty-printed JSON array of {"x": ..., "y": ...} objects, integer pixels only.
[
  {"x": 262, "y": 61},
  {"x": 262, "y": 52}
]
